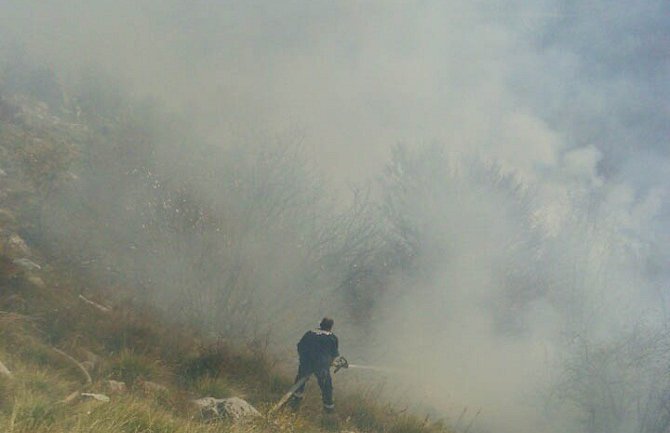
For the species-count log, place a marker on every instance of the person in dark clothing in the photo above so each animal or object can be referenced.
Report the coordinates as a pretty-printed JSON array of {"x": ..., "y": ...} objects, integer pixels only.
[{"x": 317, "y": 350}]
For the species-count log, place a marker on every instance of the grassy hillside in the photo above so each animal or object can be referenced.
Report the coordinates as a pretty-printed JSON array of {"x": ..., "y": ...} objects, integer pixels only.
[
  {"x": 42, "y": 326},
  {"x": 60, "y": 338}
]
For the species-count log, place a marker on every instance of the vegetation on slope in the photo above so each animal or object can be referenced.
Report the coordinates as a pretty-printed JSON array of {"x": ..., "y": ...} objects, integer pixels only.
[
  {"x": 136, "y": 347},
  {"x": 59, "y": 337}
]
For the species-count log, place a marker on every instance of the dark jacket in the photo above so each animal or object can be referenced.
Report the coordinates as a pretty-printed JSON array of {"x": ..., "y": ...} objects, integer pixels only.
[{"x": 318, "y": 349}]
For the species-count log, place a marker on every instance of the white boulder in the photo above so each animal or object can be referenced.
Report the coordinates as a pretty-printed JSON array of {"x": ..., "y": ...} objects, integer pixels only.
[{"x": 233, "y": 408}]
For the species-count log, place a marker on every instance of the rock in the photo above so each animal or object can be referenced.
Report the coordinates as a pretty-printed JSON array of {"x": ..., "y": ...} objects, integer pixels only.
[
  {"x": 13, "y": 246},
  {"x": 4, "y": 371},
  {"x": 236, "y": 408},
  {"x": 36, "y": 281},
  {"x": 17, "y": 245},
  {"x": 233, "y": 408},
  {"x": 3, "y": 172},
  {"x": 99, "y": 397},
  {"x": 71, "y": 176},
  {"x": 26, "y": 264},
  {"x": 151, "y": 387},
  {"x": 116, "y": 387}
]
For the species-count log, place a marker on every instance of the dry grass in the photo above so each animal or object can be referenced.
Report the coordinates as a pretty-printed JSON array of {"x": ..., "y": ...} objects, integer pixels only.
[{"x": 134, "y": 346}]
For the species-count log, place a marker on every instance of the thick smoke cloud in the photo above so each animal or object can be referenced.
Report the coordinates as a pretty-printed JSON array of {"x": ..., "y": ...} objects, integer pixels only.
[{"x": 566, "y": 100}]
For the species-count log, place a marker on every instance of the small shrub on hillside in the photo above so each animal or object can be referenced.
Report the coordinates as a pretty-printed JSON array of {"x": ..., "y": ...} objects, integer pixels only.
[
  {"x": 44, "y": 160},
  {"x": 278, "y": 383},
  {"x": 176, "y": 343},
  {"x": 12, "y": 324},
  {"x": 7, "y": 391},
  {"x": 363, "y": 415},
  {"x": 45, "y": 384},
  {"x": 409, "y": 424},
  {"x": 38, "y": 354},
  {"x": 138, "y": 416},
  {"x": 330, "y": 423},
  {"x": 127, "y": 328},
  {"x": 129, "y": 367},
  {"x": 177, "y": 402},
  {"x": 250, "y": 370},
  {"x": 130, "y": 332},
  {"x": 246, "y": 365},
  {"x": 37, "y": 414},
  {"x": 210, "y": 362},
  {"x": 40, "y": 381},
  {"x": 216, "y": 387}
]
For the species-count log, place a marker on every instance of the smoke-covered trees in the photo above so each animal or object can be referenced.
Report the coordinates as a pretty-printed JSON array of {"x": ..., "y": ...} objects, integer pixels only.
[
  {"x": 471, "y": 251},
  {"x": 242, "y": 237},
  {"x": 441, "y": 209},
  {"x": 618, "y": 385},
  {"x": 233, "y": 236}
]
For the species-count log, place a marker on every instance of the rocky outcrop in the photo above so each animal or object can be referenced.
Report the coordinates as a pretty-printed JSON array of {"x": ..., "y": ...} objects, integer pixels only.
[
  {"x": 27, "y": 264},
  {"x": 91, "y": 396},
  {"x": 233, "y": 408},
  {"x": 36, "y": 281},
  {"x": 78, "y": 396},
  {"x": 116, "y": 387},
  {"x": 14, "y": 261},
  {"x": 13, "y": 246}
]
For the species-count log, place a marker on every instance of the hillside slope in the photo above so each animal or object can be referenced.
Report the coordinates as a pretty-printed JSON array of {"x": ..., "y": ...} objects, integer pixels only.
[{"x": 60, "y": 338}]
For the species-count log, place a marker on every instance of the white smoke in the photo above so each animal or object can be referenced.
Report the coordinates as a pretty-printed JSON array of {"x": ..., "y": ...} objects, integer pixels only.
[{"x": 569, "y": 99}]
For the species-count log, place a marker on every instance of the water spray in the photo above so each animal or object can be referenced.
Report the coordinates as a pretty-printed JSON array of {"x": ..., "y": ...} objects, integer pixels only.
[{"x": 377, "y": 368}]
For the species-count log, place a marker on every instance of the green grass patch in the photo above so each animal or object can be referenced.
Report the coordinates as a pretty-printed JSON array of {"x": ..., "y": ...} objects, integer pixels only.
[
  {"x": 130, "y": 367},
  {"x": 217, "y": 387}
]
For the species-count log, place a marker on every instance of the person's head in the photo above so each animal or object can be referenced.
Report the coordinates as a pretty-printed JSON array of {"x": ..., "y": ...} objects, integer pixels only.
[{"x": 326, "y": 324}]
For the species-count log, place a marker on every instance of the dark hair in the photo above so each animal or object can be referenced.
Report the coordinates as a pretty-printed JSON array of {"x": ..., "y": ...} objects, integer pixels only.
[{"x": 326, "y": 324}]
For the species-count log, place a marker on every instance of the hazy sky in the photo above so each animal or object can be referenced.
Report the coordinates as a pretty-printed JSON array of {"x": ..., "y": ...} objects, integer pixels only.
[{"x": 521, "y": 81}]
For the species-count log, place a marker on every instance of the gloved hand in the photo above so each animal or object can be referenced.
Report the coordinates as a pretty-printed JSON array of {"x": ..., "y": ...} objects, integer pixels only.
[{"x": 339, "y": 363}]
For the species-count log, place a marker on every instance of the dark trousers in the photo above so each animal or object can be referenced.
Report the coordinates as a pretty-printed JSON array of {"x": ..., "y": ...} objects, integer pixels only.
[{"x": 323, "y": 379}]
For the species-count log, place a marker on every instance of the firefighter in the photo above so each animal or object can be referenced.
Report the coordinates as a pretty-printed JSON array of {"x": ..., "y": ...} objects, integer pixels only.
[{"x": 317, "y": 350}]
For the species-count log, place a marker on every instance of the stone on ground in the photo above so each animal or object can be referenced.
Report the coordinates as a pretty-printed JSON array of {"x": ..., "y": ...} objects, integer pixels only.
[
  {"x": 4, "y": 371},
  {"x": 116, "y": 387},
  {"x": 36, "y": 281},
  {"x": 99, "y": 397},
  {"x": 233, "y": 408}
]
